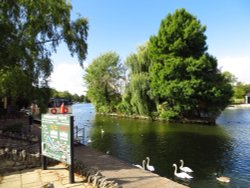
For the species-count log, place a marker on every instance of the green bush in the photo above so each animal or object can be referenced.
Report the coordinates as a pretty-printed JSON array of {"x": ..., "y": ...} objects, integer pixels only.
[
  {"x": 238, "y": 101},
  {"x": 169, "y": 115}
]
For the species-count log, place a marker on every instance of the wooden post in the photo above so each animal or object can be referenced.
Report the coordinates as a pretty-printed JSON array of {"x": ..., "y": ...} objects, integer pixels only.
[
  {"x": 44, "y": 162},
  {"x": 71, "y": 166}
]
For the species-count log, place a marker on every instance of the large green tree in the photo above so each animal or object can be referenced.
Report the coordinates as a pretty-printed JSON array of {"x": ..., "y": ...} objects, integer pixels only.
[
  {"x": 185, "y": 79},
  {"x": 103, "y": 78},
  {"x": 136, "y": 98},
  {"x": 31, "y": 31}
]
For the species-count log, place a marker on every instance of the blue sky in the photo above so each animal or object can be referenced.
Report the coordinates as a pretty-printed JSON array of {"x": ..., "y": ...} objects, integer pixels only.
[{"x": 121, "y": 26}]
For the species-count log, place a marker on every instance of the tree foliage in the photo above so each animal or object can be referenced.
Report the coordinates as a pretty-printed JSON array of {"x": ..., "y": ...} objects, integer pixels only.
[
  {"x": 30, "y": 33},
  {"x": 171, "y": 75},
  {"x": 240, "y": 90},
  {"x": 184, "y": 78},
  {"x": 65, "y": 94},
  {"x": 103, "y": 79},
  {"x": 180, "y": 35},
  {"x": 136, "y": 98}
]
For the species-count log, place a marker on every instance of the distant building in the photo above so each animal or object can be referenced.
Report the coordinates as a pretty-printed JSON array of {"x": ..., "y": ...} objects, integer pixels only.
[{"x": 247, "y": 98}]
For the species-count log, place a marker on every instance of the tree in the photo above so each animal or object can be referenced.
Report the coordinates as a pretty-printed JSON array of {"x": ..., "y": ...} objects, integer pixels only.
[
  {"x": 180, "y": 35},
  {"x": 15, "y": 84},
  {"x": 184, "y": 79},
  {"x": 232, "y": 79},
  {"x": 240, "y": 90},
  {"x": 103, "y": 79},
  {"x": 136, "y": 98},
  {"x": 31, "y": 32}
]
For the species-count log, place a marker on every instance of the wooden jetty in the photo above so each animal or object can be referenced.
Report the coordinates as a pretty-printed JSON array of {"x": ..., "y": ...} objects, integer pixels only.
[{"x": 126, "y": 175}]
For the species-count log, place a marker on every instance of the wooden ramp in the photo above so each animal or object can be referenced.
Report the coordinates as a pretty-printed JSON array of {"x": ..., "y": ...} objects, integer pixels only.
[{"x": 121, "y": 172}]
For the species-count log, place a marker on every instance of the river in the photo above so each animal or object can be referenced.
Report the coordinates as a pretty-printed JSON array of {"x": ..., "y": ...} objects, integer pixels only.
[{"x": 223, "y": 149}]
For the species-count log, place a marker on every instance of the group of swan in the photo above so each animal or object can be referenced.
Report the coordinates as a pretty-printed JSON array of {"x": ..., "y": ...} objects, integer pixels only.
[
  {"x": 145, "y": 165},
  {"x": 184, "y": 170}
]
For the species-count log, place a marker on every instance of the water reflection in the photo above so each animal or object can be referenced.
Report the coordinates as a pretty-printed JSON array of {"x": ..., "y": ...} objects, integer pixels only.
[{"x": 205, "y": 149}]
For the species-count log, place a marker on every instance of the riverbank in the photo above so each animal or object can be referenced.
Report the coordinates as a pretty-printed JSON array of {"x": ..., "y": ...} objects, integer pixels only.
[
  {"x": 237, "y": 106},
  {"x": 205, "y": 121}
]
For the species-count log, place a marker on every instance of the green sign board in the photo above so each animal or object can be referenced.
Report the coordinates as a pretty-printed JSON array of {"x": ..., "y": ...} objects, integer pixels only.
[{"x": 56, "y": 137}]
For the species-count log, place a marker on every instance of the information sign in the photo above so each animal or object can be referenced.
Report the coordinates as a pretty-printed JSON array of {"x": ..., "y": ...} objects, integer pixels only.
[{"x": 56, "y": 137}]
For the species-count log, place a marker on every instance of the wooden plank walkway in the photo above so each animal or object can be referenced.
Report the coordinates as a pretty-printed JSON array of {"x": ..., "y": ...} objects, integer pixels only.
[{"x": 121, "y": 172}]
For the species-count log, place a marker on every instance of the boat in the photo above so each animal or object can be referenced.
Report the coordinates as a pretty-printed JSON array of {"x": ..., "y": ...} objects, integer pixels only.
[
  {"x": 60, "y": 106},
  {"x": 55, "y": 106}
]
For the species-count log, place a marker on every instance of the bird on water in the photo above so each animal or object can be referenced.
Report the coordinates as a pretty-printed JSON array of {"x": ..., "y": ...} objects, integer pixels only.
[
  {"x": 183, "y": 175},
  {"x": 185, "y": 168},
  {"x": 223, "y": 179}
]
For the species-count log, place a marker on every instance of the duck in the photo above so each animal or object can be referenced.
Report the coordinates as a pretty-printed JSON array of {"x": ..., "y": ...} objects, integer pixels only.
[
  {"x": 185, "y": 169},
  {"x": 223, "y": 179},
  {"x": 183, "y": 175},
  {"x": 149, "y": 167},
  {"x": 139, "y": 166}
]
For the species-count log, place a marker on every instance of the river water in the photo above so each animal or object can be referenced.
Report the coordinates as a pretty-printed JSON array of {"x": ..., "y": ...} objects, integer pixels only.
[{"x": 222, "y": 149}]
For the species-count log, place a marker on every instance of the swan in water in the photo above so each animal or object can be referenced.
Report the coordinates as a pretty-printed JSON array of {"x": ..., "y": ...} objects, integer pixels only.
[
  {"x": 223, "y": 179},
  {"x": 183, "y": 175},
  {"x": 184, "y": 168},
  {"x": 139, "y": 166},
  {"x": 149, "y": 167}
]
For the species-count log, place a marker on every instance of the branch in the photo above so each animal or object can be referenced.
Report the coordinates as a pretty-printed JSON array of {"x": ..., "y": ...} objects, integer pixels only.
[{"x": 52, "y": 40}]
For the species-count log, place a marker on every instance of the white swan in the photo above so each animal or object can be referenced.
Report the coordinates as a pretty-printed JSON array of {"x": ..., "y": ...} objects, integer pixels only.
[
  {"x": 183, "y": 175},
  {"x": 185, "y": 169},
  {"x": 149, "y": 167},
  {"x": 139, "y": 166}
]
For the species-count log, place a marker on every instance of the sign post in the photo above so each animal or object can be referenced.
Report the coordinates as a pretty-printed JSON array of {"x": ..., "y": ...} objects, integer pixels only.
[
  {"x": 58, "y": 140},
  {"x": 71, "y": 167}
]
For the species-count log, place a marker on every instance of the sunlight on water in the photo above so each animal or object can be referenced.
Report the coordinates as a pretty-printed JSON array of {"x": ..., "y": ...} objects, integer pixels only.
[{"x": 223, "y": 149}]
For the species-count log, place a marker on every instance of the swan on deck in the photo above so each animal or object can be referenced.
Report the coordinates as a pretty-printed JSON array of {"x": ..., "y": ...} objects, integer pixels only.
[
  {"x": 139, "y": 166},
  {"x": 149, "y": 167}
]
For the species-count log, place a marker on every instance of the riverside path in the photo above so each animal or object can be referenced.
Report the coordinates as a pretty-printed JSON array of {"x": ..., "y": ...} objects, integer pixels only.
[{"x": 126, "y": 175}]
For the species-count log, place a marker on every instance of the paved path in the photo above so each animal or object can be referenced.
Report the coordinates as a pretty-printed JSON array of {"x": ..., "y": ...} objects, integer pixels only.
[{"x": 58, "y": 175}]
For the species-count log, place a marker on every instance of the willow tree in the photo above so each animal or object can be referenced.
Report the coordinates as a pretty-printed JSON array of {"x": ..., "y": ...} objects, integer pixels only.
[
  {"x": 103, "y": 79},
  {"x": 137, "y": 92},
  {"x": 184, "y": 78},
  {"x": 31, "y": 31}
]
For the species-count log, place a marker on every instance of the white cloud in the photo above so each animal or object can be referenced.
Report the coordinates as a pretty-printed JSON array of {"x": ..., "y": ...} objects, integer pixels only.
[
  {"x": 238, "y": 66},
  {"x": 68, "y": 77}
]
